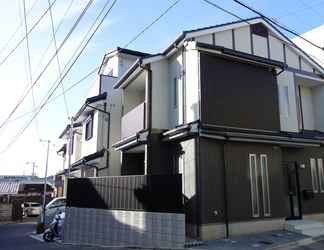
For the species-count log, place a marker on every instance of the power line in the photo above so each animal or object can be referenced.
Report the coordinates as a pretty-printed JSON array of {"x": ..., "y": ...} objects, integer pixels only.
[
  {"x": 3, "y": 48},
  {"x": 94, "y": 70},
  {"x": 225, "y": 10},
  {"x": 56, "y": 30},
  {"x": 22, "y": 39},
  {"x": 59, "y": 95},
  {"x": 152, "y": 23},
  {"x": 30, "y": 78},
  {"x": 75, "y": 52},
  {"x": 65, "y": 74},
  {"x": 278, "y": 24},
  {"x": 58, "y": 60},
  {"x": 48, "y": 63}
]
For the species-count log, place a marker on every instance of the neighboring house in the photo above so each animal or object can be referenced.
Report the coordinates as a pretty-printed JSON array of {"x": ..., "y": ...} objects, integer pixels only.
[
  {"x": 238, "y": 110},
  {"x": 316, "y": 37},
  {"x": 96, "y": 126}
]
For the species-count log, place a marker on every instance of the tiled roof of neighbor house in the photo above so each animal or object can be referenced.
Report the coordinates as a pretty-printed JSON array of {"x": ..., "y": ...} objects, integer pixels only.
[{"x": 9, "y": 187}]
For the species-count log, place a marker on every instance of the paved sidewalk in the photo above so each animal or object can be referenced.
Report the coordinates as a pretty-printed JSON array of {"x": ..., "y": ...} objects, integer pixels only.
[{"x": 270, "y": 240}]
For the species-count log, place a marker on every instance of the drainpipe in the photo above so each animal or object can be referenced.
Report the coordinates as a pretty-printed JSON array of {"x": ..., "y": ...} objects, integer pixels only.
[{"x": 225, "y": 190}]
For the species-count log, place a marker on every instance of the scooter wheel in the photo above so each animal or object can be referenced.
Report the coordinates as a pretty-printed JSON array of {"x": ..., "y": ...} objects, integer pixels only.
[{"x": 48, "y": 236}]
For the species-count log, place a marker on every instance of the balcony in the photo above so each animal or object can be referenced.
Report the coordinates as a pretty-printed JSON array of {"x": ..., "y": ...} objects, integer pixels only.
[{"x": 133, "y": 121}]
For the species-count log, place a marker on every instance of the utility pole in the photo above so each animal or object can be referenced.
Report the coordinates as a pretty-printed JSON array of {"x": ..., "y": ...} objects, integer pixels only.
[
  {"x": 45, "y": 179},
  {"x": 33, "y": 167}
]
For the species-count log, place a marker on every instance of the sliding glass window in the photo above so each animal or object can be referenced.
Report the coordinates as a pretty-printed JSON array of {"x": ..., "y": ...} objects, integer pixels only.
[
  {"x": 320, "y": 174},
  {"x": 265, "y": 185},
  {"x": 254, "y": 185},
  {"x": 314, "y": 175}
]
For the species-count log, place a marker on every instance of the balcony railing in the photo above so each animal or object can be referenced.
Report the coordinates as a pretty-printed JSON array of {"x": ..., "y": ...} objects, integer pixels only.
[{"x": 133, "y": 121}]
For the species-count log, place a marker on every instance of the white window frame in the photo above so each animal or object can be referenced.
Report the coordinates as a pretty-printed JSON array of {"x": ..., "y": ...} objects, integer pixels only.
[
  {"x": 254, "y": 196},
  {"x": 320, "y": 174},
  {"x": 314, "y": 175},
  {"x": 265, "y": 184}
]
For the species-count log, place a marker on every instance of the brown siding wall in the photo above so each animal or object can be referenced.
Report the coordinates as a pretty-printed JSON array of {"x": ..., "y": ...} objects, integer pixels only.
[
  {"x": 238, "y": 181},
  {"x": 238, "y": 94},
  {"x": 302, "y": 156}
]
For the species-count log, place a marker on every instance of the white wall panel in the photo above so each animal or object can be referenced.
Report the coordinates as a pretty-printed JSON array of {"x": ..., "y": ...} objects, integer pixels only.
[
  {"x": 243, "y": 39},
  {"x": 175, "y": 69},
  {"x": 160, "y": 95},
  {"x": 260, "y": 46},
  {"x": 224, "y": 38},
  {"x": 306, "y": 66},
  {"x": 276, "y": 49},
  {"x": 192, "y": 85},
  {"x": 318, "y": 94},
  {"x": 292, "y": 58},
  {"x": 289, "y": 122},
  {"x": 205, "y": 39},
  {"x": 308, "y": 107}
]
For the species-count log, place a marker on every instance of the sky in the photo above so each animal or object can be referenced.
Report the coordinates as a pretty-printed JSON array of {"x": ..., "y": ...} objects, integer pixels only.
[{"x": 127, "y": 18}]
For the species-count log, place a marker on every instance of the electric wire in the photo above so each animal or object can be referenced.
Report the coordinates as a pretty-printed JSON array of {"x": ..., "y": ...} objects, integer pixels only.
[
  {"x": 75, "y": 53},
  {"x": 48, "y": 64},
  {"x": 152, "y": 23},
  {"x": 5, "y": 46},
  {"x": 30, "y": 78},
  {"x": 277, "y": 24},
  {"x": 92, "y": 71},
  {"x": 56, "y": 30},
  {"x": 64, "y": 75},
  {"x": 58, "y": 60},
  {"x": 57, "y": 96},
  {"x": 22, "y": 39}
]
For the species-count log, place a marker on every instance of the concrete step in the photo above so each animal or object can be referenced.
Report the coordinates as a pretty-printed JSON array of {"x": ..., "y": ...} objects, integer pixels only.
[
  {"x": 313, "y": 232},
  {"x": 306, "y": 227}
]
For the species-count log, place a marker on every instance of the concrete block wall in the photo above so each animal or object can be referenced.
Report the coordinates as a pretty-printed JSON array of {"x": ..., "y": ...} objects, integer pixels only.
[
  {"x": 92, "y": 226},
  {"x": 5, "y": 212}
]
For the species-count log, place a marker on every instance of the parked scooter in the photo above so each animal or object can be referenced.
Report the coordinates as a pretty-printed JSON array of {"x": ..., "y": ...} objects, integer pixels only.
[{"x": 55, "y": 228}]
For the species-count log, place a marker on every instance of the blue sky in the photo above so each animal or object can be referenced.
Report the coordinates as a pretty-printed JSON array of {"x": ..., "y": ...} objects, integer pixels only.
[{"x": 127, "y": 18}]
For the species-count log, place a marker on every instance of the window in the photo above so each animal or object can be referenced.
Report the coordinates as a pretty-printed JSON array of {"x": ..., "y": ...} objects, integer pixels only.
[
  {"x": 254, "y": 185},
  {"x": 265, "y": 185},
  {"x": 314, "y": 175},
  {"x": 284, "y": 100},
  {"x": 89, "y": 127},
  {"x": 320, "y": 174},
  {"x": 175, "y": 93}
]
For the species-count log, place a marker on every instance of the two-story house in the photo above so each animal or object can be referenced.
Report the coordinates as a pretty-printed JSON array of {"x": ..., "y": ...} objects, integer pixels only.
[
  {"x": 237, "y": 109},
  {"x": 96, "y": 125}
]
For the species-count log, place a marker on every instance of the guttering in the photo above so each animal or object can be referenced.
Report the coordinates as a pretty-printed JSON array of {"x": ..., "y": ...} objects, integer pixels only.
[
  {"x": 225, "y": 136},
  {"x": 240, "y": 55},
  {"x": 88, "y": 101},
  {"x": 67, "y": 128},
  {"x": 90, "y": 157},
  {"x": 128, "y": 73},
  {"x": 132, "y": 141}
]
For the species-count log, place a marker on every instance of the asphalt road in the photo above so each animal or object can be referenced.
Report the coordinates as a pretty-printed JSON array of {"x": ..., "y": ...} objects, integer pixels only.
[
  {"x": 16, "y": 237},
  {"x": 315, "y": 246}
]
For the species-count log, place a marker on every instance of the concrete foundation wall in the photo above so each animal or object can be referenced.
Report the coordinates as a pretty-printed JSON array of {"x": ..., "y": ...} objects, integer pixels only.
[{"x": 91, "y": 226}]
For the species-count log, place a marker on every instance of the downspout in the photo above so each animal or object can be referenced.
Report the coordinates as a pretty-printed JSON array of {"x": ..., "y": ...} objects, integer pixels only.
[
  {"x": 148, "y": 114},
  {"x": 108, "y": 137},
  {"x": 225, "y": 190}
]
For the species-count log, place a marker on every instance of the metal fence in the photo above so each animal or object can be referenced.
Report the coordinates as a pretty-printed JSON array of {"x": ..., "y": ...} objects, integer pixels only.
[{"x": 151, "y": 193}]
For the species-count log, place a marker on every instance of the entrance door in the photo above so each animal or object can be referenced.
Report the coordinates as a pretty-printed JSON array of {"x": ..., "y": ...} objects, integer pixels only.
[{"x": 294, "y": 192}]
